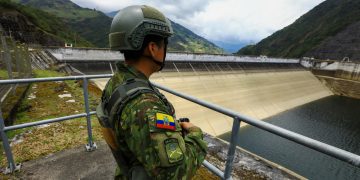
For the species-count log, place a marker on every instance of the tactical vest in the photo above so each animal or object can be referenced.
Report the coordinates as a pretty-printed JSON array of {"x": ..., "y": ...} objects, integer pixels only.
[{"x": 111, "y": 107}]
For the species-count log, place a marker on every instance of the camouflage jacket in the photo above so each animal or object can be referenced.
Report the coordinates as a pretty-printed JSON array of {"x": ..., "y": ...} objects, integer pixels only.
[{"x": 148, "y": 135}]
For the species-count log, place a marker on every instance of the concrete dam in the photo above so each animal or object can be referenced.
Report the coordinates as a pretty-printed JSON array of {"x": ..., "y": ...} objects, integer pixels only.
[
  {"x": 258, "y": 87},
  {"x": 297, "y": 95}
]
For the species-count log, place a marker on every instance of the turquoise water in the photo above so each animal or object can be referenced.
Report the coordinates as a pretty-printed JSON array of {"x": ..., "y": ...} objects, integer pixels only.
[{"x": 333, "y": 120}]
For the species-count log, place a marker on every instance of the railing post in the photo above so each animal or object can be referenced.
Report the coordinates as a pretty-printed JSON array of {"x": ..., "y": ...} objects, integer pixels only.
[
  {"x": 12, "y": 167},
  {"x": 7, "y": 56},
  {"x": 232, "y": 147},
  {"x": 91, "y": 145}
]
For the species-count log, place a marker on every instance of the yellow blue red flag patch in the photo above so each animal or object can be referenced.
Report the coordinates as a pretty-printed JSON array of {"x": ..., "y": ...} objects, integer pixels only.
[{"x": 164, "y": 121}]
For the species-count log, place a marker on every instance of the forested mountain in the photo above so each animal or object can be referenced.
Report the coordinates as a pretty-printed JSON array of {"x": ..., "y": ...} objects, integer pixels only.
[
  {"x": 186, "y": 40},
  {"x": 94, "y": 25},
  {"x": 331, "y": 30},
  {"x": 90, "y": 24},
  {"x": 33, "y": 26}
]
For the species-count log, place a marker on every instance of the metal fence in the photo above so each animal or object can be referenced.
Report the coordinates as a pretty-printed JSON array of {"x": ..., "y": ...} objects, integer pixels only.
[
  {"x": 14, "y": 58},
  {"x": 332, "y": 151},
  {"x": 3, "y": 129},
  {"x": 14, "y": 62}
]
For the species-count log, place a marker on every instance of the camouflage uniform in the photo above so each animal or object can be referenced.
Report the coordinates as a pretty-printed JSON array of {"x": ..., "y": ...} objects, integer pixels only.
[{"x": 143, "y": 147}]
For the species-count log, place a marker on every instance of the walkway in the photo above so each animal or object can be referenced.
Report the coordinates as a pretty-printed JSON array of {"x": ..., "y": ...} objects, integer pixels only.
[{"x": 72, "y": 164}]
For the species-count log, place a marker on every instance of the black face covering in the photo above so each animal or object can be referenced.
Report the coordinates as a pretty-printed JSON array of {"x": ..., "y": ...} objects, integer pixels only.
[{"x": 161, "y": 64}]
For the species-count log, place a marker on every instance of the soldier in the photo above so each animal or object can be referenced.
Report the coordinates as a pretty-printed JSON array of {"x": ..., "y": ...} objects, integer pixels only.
[{"x": 138, "y": 122}]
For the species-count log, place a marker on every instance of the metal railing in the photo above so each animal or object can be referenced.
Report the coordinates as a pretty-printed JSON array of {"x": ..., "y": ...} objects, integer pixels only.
[
  {"x": 332, "y": 151},
  {"x": 89, "y": 147}
]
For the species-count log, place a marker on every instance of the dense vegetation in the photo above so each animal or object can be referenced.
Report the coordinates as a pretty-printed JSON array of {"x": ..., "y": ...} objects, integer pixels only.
[
  {"x": 186, "y": 40},
  {"x": 46, "y": 24},
  {"x": 94, "y": 25},
  {"x": 89, "y": 24},
  {"x": 309, "y": 31}
]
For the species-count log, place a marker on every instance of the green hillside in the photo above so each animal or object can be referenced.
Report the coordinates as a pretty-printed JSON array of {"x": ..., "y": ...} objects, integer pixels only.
[
  {"x": 94, "y": 25},
  {"x": 186, "y": 40},
  {"x": 30, "y": 24},
  {"x": 89, "y": 24},
  {"x": 309, "y": 31}
]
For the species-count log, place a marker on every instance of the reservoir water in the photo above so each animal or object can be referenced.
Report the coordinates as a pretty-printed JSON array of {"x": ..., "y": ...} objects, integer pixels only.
[{"x": 333, "y": 120}]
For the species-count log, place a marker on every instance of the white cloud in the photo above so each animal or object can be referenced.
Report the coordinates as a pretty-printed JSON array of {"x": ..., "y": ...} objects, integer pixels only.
[{"x": 222, "y": 20}]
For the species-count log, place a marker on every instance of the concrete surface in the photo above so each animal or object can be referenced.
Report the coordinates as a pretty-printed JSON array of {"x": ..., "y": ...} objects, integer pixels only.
[
  {"x": 95, "y": 54},
  {"x": 258, "y": 95},
  {"x": 246, "y": 164},
  {"x": 72, "y": 164},
  {"x": 77, "y": 164}
]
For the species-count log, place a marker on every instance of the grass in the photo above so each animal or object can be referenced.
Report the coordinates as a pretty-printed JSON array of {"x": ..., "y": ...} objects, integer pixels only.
[
  {"x": 22, "y": 114},
  {"x": 204, "y": 173},
  {"x": 4, "y": 74},
  {"x": 2, "y": 157},
  {"x": 41, "y": 141},
  {"x": 47, "y": 73},
  {"x": 48, "y": 26}
]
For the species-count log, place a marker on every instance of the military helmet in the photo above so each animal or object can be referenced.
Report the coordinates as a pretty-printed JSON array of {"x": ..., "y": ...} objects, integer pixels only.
[{"x": 131, "y": 24}]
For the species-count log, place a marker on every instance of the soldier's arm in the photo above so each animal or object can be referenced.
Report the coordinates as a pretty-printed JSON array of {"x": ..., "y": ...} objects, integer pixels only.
[{"x": 163, "y": 152}]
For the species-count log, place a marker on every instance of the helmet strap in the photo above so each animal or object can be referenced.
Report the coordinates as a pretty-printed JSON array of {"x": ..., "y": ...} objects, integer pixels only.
[{"x": 161, "y": 64}]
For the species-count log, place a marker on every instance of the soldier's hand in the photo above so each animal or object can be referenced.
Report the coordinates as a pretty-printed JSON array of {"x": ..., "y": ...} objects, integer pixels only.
[{"x": 186, "y": 125}]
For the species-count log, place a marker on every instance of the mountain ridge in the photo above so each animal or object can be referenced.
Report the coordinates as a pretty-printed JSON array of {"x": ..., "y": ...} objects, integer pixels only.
[
  {"x": 88, "y": 23},
  {"x": 306, "y": 36},
  {"x": 32, "y": 26},
  {"x": 185, "y": 40},
  {"x": 94, "y": 26}
]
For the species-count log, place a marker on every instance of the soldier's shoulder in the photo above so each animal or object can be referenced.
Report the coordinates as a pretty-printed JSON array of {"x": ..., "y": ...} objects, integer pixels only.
[
  {"x": 145, "y": 99},
  {"x": 142, "y": 110},
  {"x": 115, "y": 81}
]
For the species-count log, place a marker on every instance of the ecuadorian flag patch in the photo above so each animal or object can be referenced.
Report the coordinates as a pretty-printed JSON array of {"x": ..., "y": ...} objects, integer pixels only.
[{"x": 164, "y": 121}]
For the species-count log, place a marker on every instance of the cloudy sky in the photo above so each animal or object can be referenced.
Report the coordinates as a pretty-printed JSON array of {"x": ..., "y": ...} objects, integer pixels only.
[{"x": 229, "y": 21}]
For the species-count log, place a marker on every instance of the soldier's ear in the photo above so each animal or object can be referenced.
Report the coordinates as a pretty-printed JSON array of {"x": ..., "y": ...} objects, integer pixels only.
[{"x": 153, "y": 48}]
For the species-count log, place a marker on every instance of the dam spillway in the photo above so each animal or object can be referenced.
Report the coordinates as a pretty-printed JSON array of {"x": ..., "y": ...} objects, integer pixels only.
[
  {"x": 258, "y": 95},
  {"x": 258, "y": 87},
  {"x": 218, "y": 82}
]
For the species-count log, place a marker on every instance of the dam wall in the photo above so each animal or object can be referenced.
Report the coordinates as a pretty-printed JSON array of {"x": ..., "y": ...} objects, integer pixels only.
[
  {"x": 81, "y": 54},
  {"x": 258, "y": 87},
  {"x": 336, "y": 69},
  {"x": 342, "y": 78},
  {"x": 255, "y": 86},
  {"x": 95, "y": 61},
  {"x": 190, "y": 68},
  {"x": 350, "y": 71},
  {"x": 258, "y": 95}
]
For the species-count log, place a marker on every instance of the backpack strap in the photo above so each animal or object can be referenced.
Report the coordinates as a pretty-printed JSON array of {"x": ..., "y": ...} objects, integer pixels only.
[
  {"x": 113, "y": 105},
  {"x": 130, "y": 89}
]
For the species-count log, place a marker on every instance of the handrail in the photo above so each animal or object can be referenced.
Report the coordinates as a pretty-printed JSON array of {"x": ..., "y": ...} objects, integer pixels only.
[
  {"x": 338, "y": 153},
  {"x": 332, "y": 151},
  {"x": 48, "y": 121},
  {"x": 32, "y": 80},
  {"x": 3, "y": 129}
]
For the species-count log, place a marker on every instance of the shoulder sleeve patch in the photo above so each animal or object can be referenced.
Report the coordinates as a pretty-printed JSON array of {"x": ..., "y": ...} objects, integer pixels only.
[
  {"x": 165, "y": 121},
  {"x": 173, "y": 150}
]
